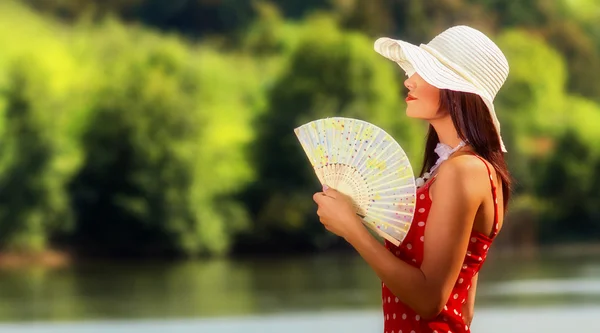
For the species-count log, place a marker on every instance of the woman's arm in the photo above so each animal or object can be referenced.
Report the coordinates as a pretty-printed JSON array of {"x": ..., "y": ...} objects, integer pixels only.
[
  {"x": 458, "y": 194},
  {"x": 469, "y": 306}
]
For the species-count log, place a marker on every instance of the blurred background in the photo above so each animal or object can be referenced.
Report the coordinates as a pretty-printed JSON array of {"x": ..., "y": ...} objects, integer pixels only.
[{"x": 151, "y": 181}]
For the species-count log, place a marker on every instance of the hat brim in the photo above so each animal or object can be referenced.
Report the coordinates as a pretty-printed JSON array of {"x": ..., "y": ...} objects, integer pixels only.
[{"x": 412, "y": 58}]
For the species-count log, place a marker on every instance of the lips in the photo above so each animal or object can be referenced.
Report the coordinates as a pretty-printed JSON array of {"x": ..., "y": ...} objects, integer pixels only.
[{"x": 410, "y": 98}]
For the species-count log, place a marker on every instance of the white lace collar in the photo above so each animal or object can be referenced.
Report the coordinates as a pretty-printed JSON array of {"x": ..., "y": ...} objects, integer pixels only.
[{"x": 443, "y": 151}]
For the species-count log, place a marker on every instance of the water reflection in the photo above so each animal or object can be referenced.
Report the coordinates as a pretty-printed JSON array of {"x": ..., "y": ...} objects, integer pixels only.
[{"x": 98, "y": 291}]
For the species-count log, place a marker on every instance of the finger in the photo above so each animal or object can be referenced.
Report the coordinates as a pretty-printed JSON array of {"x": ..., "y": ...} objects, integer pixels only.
[
  {"x": 318, "y": 196},
  {"x": 331, "y": 193}
]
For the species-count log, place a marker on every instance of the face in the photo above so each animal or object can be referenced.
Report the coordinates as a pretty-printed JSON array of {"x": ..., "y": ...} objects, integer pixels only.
[{"x": 423, "y": 99}]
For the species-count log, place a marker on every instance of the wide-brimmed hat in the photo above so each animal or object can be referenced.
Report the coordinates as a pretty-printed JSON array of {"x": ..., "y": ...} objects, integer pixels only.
[{"x": 460, "y": 58}]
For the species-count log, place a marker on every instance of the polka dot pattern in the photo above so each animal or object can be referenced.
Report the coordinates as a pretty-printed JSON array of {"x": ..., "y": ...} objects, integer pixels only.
[{"x": 399, "y": 317}]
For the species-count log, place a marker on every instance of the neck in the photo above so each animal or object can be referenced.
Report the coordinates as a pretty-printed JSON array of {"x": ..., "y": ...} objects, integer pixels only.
[
  {"x": 449, "y": 144},
  {"x": 446, "y": 131}
]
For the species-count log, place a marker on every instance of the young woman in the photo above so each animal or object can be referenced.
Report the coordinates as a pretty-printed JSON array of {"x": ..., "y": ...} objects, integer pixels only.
[{"x": 428, "y": 282}]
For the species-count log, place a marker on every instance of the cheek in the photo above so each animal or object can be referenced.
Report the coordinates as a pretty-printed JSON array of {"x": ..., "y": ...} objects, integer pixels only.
[
  {"x": 431, "y": 102},
  {"x": 433, "y": 107},
  {"x": 423, "y": 108}
]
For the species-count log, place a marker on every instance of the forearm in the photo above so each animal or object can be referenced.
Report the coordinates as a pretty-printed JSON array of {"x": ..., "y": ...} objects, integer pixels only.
[{"x": 407, "y": 282}]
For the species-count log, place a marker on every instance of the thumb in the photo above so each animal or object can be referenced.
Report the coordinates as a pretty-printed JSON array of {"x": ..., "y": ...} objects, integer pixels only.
[
  {"x": 330, "y": 192},
  {"x": 317, "y": 197}
]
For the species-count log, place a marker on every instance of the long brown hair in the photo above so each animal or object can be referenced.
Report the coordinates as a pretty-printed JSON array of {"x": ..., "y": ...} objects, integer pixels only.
[{"x": 474, "y": 125}]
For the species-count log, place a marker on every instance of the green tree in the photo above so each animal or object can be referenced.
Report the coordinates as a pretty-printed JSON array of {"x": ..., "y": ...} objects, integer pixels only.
[
  {"x": 532, "y": 104},
  {"x": 163, "y": 149},
  {"x": 33, "y": 203},
  {"x": 569, "y": 183},
  {"x": 552, "y": 139}
]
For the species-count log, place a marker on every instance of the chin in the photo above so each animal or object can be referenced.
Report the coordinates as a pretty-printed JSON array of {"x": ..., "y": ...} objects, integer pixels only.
[
  {"x": 419, "y": 113},
  {"x": 413, "y": 114}
]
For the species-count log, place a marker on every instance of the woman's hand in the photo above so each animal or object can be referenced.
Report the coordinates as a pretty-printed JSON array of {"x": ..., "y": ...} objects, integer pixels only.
[{"x": 336, "y": 212}]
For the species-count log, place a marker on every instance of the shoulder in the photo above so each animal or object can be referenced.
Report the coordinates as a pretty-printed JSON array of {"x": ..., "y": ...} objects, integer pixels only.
[
  {"x": 464, "y": 175},
  {"x": 465, "y": 165}
]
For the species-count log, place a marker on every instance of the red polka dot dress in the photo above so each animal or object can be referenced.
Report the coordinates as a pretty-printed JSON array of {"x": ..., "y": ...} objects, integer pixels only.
[{"x": 398, "y": 317}]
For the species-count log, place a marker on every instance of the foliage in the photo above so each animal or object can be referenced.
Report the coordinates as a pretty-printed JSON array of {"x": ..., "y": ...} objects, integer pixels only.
[
  {"x": 555, "y": 138},
  {"x": 160, "y": 173},
  {"x": 41, "y": 99},
  {"x": 138, "y": 137},
  {"x": 120, "y": 138}
]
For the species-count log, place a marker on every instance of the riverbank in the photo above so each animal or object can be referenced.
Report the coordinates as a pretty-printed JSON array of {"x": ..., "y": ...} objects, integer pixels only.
[
  {"x": 48, "y": 258},
  {"x": 57, "y": 259}
]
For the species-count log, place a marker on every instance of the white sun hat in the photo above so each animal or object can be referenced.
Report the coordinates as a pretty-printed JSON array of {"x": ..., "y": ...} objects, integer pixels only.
[{"x": 460, "y": 58}]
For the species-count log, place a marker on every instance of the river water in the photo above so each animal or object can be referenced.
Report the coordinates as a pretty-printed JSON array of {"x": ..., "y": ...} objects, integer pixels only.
[{"x": 307, "y": 294}]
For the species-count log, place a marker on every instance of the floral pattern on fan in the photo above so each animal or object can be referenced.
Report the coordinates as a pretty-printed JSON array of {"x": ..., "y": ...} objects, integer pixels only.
[{"x": 365, "y": 163}]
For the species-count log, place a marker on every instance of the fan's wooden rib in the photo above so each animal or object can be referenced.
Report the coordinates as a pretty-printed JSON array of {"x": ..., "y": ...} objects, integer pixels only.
[
  {"x": 390, "y": 143},
  {"x": 386, "y": 144},
  {"x": 383, "y": 197},
  {"x": 385, "y": 226},
  {"x": 383, "y": 234},
  {"x": 358, "y": 128},
  {"x": 388, "y": 220},
  {"x": 349, "y": 148},
  {"x": 322, "y": 133},
  {"x": 380, "y": 212},
  {"x": 402, "y": 160},
  {"x": 338, "y": 143},
  {"x": 343, "y": 144},
  {"x": 400, "y": 224},
  {"x": 360, "y": 148},
  {"x": 305, "y": 145},
  {"x": 379, "y": 190},
  {"x": 376, "y": 184},
  {"x": 308, "y": 144},
  {"x": 359, "y": 164},
  {"x": 394, "y": 233},
  {"x": 396, "y": 185},
  {"x": 315, "y": 141},
  {"x": 391, "y": 165},
  {"x": 400, "y": 201},
  {"x": 366, "y": 159},
  {"x": 392, "y": 178},
  {"x": 396, "y": 156},
  {"x": 391, "y": 229}
]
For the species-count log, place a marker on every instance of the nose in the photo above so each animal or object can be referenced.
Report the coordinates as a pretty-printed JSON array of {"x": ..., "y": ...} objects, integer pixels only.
[{"x": 409, "y": 84}]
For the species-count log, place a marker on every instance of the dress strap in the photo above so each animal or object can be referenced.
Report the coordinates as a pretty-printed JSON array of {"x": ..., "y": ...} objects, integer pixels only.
[
  {"x": 429, "y": 182},
  {"x": 494, "y": 196}
]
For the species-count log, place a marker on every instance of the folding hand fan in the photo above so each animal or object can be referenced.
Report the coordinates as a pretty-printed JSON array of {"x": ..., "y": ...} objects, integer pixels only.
[{"x": 365, "y": 163}]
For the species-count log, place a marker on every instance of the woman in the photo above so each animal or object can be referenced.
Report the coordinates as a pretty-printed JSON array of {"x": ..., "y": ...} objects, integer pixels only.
[{"x": 428, "y": 282}]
